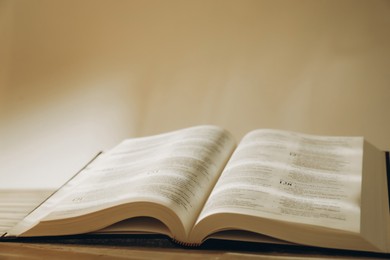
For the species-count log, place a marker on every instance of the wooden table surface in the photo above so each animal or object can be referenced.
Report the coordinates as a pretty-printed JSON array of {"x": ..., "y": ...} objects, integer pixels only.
[{"x": 150, "y": 247}]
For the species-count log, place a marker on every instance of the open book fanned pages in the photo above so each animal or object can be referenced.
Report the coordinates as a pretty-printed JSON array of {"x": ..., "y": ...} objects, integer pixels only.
[{"x": 199, "y": 183}]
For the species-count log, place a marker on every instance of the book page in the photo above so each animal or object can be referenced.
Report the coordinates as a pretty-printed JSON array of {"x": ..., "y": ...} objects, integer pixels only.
[
  {"x": 176, "y": 170},
  {"x": 292, "y": 177},
  {"x": 17, "y": 204}
]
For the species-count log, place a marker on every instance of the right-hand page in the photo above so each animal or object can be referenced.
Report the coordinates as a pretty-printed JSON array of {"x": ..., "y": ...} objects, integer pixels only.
[{"x": 293, "y": 177}]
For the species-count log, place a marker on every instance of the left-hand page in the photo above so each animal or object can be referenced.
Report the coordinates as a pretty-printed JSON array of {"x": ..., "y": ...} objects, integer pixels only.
[{"x": 16, "y": 204}]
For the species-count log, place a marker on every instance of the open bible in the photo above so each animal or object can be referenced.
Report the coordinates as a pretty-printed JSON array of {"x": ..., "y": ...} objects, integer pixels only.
[{"x": 198, "y": 183}]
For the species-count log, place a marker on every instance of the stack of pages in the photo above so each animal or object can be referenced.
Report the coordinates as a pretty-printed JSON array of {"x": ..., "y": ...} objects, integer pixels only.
[{"x": 197, "y": 183}]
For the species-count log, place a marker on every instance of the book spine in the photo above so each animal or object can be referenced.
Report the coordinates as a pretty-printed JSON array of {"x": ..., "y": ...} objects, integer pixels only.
[{"x": 185, "y": 244}]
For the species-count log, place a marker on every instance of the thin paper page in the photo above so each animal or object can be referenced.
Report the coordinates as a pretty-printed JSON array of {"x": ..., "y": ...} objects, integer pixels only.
[
  {"x": 17, "y": 204},
  {"x": 177, "y": 170},
  {"x": 293, "y": 177}
]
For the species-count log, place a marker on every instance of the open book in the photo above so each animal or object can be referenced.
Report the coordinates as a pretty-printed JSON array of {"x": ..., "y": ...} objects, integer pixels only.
[{"x": 197, "y": 183}]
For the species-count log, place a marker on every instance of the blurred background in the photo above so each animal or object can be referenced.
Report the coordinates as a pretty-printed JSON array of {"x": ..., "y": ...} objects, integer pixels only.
[{"x": 77, "y": 77}]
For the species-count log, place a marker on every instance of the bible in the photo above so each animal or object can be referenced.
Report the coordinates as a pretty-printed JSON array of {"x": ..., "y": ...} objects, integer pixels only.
[{"x": 197, "y": 183}]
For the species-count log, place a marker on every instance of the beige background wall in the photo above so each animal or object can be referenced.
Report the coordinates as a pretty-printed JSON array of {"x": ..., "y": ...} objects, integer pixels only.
[{"x": 79, "y": 76}]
